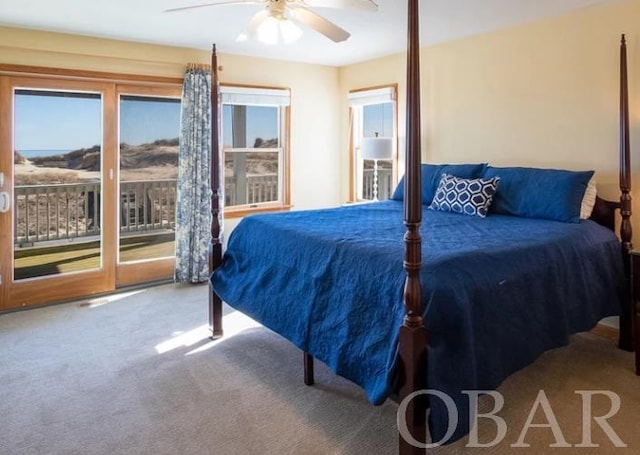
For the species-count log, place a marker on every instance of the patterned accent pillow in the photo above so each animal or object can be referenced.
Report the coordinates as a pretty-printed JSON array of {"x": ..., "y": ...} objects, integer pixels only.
[{"x": 467, "y": 196}]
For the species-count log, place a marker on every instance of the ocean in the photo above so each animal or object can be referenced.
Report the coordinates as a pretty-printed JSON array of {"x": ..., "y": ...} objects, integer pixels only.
[{"x": 42, "y": 153}]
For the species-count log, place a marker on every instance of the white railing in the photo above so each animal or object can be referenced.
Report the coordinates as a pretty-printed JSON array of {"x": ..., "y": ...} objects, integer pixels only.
[
  {"x": 385, "y": 184},
  {"x": 259, "y": 188},
  {"x": 147, "y": 205},
  {"x": 72, "y": 210},
  {"x": 54, "y": 212}
]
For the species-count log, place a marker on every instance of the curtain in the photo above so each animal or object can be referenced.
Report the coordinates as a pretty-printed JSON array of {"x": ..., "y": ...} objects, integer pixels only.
[{"x": 193, "y": 200}]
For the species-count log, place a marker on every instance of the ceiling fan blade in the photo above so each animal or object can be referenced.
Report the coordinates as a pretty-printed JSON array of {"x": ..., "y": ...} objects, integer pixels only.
[
  {"x": 320, "y": 24},
  {"x": 254, "y": 23},
  {"x": 359, "y": 5},
  {"x": 203, "y": 5}
]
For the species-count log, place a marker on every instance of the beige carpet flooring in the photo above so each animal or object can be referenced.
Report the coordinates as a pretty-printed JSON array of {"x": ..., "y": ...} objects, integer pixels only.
[{"x": 136, "y": 374}]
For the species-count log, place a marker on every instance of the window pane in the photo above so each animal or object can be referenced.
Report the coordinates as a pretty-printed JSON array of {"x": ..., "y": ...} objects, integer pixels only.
[
  {"x": 149, "y": 130},
  {"x": 57, "y": 161},
  {"x": 377, "y": 118},
  {"x": 251, "y": 177},
  {"x": 250, "y": 126}
]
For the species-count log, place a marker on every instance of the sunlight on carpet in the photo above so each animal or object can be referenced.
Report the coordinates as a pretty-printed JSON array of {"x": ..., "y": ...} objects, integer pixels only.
[
  {"x": 100, "y": 301},
  {"x": 233, "y": 324}
]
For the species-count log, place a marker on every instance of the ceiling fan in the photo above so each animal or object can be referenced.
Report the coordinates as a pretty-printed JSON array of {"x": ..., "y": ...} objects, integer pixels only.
[{"x": 273, "y": 23}]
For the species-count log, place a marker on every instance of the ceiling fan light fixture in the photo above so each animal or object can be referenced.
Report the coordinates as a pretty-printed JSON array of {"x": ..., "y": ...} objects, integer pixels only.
[
  {"x": 273, "y": 20},
  {"x": 274, "y": 30},
  {"x": 267, "y": 32},
  {"x": 290, "y": 32}
]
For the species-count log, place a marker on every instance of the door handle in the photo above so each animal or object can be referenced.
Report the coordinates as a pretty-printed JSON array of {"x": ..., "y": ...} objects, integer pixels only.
[{"x": 5, "y": 202}]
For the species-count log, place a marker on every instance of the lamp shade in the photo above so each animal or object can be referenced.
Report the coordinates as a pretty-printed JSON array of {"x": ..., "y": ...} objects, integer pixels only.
[{"x": 377, "y": 148}]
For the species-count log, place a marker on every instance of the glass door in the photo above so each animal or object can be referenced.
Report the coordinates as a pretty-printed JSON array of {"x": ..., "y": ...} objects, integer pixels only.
[
  {"x": 149, "y": 127},
  {"x": 57, "y": 182},
  {"x": 57, "y": 162},
  {"x": 89, "y": 169}
]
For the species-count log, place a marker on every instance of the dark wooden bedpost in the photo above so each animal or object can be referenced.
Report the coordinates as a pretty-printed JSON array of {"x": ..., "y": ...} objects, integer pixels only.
[
  {"x": 215, "y": 247},
  {"x": 413, "y": 334},
  {"x": 628, "y": 313}
]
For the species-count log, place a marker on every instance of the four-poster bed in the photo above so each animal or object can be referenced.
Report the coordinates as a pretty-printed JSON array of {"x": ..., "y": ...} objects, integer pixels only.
[{"x": 399, "y": 326}]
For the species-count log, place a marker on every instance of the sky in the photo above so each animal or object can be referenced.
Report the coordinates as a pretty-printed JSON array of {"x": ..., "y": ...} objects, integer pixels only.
[
  {"x": 73, "y": 121},
  {"x": 144, "y": 120},
  {"x": 262, "y": 122},
  {"x": 56, "y": 123},
  {"x": 378, "y": 118}
]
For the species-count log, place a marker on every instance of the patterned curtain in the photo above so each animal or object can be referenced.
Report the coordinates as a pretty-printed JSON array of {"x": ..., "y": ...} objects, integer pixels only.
[{"x": 193, "y": 204}]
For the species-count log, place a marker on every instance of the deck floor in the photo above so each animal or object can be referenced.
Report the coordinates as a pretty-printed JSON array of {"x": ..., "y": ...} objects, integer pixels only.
[{"x": 77, "y": 256}]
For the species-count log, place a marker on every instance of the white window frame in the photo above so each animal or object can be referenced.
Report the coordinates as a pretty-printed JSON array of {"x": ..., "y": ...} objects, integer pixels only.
[
  {"x": 357, "y": 100},
  {"x": 268, "y": 97}
]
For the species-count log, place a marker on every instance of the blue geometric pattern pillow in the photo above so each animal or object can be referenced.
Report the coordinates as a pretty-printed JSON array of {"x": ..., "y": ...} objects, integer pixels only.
[
  {"x": 432, "y": 173},
  {"x": 466, "y": 196}
]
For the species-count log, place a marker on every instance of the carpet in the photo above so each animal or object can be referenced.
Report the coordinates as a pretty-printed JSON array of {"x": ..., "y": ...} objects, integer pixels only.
[{"x": 135, "y": 373}]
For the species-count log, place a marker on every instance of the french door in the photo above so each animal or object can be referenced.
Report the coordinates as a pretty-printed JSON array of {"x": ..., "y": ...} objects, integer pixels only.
[{"x": 90, "y": 171}]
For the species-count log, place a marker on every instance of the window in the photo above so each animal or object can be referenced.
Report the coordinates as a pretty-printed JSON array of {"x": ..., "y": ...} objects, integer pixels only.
[
  {"x": 373, "y": 114},
  {"x": 255, "y": 145}
]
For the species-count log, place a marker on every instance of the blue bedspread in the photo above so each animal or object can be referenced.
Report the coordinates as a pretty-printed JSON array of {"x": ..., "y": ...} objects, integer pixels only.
[{"x": 498, "y": 291}]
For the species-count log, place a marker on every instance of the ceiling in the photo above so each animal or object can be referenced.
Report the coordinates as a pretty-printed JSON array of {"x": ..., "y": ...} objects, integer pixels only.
[{"x": 372, "y": 34}]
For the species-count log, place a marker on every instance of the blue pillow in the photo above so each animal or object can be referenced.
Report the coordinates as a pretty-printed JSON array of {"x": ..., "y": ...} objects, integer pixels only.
[
  {"x": 466, "y": 196},
  {"x": 550, "y": 194},
  {"x": 432, "y": 173}
]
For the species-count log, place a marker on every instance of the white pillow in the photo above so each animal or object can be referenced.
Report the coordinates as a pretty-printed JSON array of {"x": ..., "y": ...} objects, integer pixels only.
[{"x": 588, "y": 200}]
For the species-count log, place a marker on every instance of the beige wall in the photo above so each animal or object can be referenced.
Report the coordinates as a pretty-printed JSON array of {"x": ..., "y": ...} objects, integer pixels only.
[
  {"x": 315, "y": 151},
  {"x": 543, "y": 94}
]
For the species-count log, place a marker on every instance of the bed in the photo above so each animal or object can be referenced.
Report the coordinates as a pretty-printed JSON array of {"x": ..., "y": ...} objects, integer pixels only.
[{"x": 444, "y": 301}]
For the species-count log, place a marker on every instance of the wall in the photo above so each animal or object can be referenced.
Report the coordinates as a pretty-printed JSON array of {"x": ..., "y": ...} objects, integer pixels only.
[
  {"x": 541, "y": 94},
  {"x": 315, "y": 153}
]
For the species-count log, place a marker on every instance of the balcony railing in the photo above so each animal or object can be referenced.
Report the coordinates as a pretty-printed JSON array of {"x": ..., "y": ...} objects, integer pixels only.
[
  {"x": 147, "y": 205},
  {"x": 385, "y": 183},
  {"x": 67, "y": 211},
  {"x": 55, "y": 212},
  {"x": 259, "y": 188}
]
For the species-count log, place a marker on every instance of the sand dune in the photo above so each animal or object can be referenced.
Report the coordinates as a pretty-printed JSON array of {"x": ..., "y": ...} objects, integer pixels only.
[{"x": 153, "y": 161}]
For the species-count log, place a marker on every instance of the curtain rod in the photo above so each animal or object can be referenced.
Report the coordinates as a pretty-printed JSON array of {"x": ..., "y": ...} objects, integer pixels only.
[
  {"x": 202, "y": 66},
  {"x": 199, "y": 66}
]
